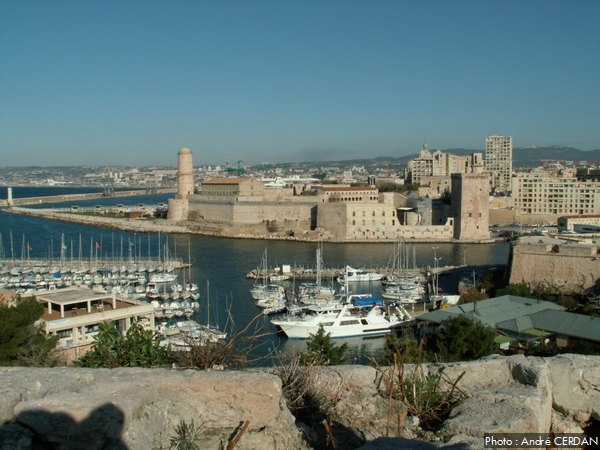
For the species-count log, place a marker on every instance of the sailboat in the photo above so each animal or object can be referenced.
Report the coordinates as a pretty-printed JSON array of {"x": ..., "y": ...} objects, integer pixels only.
[
  {"x": 164, "y": 276},
  {"x": 265, "y": 294},
  {"x": 311, "y": 293},
  {"x": 401, "y": 287}
]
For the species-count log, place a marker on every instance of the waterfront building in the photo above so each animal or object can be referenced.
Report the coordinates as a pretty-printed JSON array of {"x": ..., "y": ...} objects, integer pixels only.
[
  {"x": 584, "y": 223},
  {"x": 74, "y": 315},
  {"x": 524, "y": 323},
  {"x": 242, "y": 206},
  {"x": 498, "y": 162},
  {"x": 543, "y": 192}
]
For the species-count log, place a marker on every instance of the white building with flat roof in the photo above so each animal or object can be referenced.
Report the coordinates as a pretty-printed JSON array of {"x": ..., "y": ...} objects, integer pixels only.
[{"x": 74, "y": 315}]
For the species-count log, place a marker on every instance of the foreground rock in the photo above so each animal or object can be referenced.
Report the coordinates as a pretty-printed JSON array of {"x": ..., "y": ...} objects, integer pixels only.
[
  {"x": 70, "y": 408},
  {"x": 140, "y": 408}
]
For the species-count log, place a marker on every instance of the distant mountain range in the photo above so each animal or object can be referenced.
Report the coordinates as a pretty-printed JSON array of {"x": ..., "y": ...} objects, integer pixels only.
[
  {"x": 522, "y": 156},
  {"x": 533, "y": 156}
]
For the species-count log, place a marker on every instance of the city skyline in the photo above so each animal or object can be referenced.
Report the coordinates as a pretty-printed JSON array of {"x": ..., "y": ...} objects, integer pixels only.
[{"x": 130, "y": 83}]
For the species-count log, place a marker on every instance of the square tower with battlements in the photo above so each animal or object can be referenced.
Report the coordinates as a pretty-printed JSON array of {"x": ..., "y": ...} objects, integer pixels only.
[{"x": 470, "y": 206}]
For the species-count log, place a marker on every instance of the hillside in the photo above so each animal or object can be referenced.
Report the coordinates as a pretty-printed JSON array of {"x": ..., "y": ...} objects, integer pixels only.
[{"x": 531, "y": 156}]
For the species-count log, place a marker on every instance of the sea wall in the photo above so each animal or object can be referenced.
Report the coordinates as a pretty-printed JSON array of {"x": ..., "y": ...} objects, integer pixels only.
[
  {"x": 72, "y": 408},
  {"x": 572, "y": 267}
]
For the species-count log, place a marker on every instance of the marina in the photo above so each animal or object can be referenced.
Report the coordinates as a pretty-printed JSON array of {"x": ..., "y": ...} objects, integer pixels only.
[{"x": 219, "y": 266}]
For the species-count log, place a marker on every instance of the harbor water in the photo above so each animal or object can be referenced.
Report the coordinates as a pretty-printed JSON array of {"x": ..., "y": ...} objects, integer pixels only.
[{"x": 219, "y": 265}]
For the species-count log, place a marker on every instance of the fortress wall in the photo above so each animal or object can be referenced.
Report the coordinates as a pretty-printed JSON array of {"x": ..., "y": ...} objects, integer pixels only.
[
  {"x": 569, "y": 268},
  {"x": 251, "y": 218},
  {"x": 217, "y": 212},
  {"x": 337, "y": 219},
  {"x": 258, "y": 213}
]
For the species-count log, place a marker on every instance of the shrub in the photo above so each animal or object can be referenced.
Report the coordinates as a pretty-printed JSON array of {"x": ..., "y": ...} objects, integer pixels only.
[
  {"x": 321, "y": 350},
  {"x": 22, "y": 341},
  {"x": 234, "y": 352},
  {"x": 428, "y": 396},
  {"x": 407, "y": 348},
  {"x": 461, "y": 338},
  {"x": 138, "y": 348}
]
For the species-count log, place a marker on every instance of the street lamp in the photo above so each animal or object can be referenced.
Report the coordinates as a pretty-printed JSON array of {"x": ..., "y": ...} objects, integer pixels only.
[
  {"x": 435, "y": 261},
  {"x": 437, "y": 274}
]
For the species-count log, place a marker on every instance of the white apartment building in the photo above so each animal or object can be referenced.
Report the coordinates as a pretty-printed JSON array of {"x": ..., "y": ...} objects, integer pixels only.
[
  {"x": 498, "y": 161},
  {"x": 442, "y": 164},
  {"x": 546, "y": 193}
]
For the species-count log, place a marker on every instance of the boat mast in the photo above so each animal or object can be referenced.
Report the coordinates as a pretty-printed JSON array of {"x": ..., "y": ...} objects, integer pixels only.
[{"x": 319, "y": 264}]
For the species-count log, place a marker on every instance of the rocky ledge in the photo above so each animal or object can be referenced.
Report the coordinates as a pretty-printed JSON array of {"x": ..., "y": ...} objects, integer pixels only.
[{"x": 70, "y": 408}]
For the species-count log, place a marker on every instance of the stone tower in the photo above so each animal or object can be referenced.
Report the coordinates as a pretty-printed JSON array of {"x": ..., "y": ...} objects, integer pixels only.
[
  {"x": 470, "y": 206},
  {"x": 185, "y": 173},
  {"x": 178, "y": 206}
]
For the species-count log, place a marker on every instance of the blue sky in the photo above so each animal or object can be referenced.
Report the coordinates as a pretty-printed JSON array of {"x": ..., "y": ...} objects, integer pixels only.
[{"x": 130, "y": 82}]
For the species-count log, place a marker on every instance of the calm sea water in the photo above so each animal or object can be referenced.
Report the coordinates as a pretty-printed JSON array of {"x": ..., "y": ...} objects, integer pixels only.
[{"x": 219, "y": 265}]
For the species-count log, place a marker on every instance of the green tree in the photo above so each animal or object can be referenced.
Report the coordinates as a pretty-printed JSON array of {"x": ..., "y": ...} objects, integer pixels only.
[
  {"x": 404, "y": 349},
  {"x": 138, "y": 348},
  {"x": 21, "y": 338},
  {"x": 461, "y": 338},
  {"x": 395, "y": 187},
  {"x": 321, "y": 350}
]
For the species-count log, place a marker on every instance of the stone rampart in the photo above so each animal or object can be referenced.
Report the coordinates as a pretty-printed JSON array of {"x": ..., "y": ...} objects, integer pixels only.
[{"x": 571, "y": 267}]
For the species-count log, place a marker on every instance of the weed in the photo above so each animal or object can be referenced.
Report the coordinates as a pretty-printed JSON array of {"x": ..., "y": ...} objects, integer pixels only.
[
  {"x": 429, "y": 396},
  {"x": 186, "y": 435}
]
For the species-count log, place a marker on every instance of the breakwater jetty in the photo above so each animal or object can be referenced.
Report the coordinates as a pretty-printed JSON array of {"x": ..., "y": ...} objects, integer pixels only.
[{"x": 40, "y": 200}]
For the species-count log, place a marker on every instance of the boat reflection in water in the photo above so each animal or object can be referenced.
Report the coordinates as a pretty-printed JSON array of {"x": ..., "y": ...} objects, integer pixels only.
[{"x": 359, "y": 350}]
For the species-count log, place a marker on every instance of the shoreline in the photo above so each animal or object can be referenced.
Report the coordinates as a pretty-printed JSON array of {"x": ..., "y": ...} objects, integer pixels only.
[{"x": 166, "y": 226}]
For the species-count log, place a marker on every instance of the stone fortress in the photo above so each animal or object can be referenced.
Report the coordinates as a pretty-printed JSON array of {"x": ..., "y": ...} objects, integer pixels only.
[{"x": 245, "y": 207}]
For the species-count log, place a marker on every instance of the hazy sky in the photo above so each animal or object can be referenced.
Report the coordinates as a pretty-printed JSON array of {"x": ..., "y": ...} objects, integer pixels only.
[{"x": 130, "y": 82}]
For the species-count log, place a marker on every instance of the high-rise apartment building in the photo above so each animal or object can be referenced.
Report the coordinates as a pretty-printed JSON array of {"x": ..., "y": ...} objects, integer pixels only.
[{"x": 498, "y": 162}]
